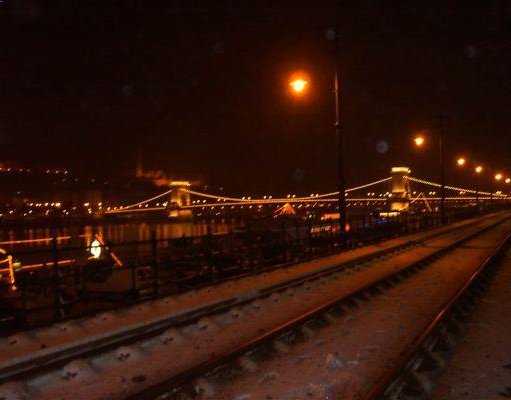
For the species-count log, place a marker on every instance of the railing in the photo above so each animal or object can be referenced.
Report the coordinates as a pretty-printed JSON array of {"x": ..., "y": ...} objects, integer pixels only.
[{"x": 70, "y": 283}]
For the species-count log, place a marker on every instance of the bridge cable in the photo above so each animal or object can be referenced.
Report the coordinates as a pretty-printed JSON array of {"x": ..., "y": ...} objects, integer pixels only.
[{"x": 148, "y": 200}]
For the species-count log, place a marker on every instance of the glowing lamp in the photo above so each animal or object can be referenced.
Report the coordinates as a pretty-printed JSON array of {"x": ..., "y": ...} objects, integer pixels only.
[
  {"x": 298, "y": 85},
  {"x": 419, "y": 140},
  {"x": 461, "y": 161},
  {"x": 95, "y": 248},
  {"x": 498, "y": 177},
  {"x": 508, "y": 180},
  {"x": 479, "y": 169}
]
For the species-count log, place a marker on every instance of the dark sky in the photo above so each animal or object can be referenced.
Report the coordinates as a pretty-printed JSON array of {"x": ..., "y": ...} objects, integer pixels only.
[{"x": 200, "y": 88}]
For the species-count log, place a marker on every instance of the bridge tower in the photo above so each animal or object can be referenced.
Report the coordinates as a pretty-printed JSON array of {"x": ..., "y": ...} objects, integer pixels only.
[
  {"x": 178, "y": 199},
  {"x": 400, "y": 199}
]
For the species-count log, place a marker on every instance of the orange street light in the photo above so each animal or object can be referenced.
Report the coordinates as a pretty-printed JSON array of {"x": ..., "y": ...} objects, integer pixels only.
[
  {"x": 419, "y": 140},
  {"x": 508, "y": 180},
  {"x": 478, "y": 169},
  {"x": 498, "y": 177},
  {"x": 299, "y": 83},
  {"x": 461, "y": 161}
]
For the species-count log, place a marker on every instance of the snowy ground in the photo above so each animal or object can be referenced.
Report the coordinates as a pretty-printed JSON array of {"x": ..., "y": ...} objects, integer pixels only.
[
  {"x": 481, "y": 366},
  {"x": 343, "y": 360}
]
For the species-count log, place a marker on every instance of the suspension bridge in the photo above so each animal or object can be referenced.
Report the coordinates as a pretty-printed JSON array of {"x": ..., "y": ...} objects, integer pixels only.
[{"x": 396, "y": 192}]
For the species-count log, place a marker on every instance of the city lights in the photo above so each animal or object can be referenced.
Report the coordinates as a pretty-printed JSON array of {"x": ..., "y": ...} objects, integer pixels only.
[
  {"x": 498, "y": 177},
  {"x": 461, "y": 161},
  {"x": 478, "y": 169}
]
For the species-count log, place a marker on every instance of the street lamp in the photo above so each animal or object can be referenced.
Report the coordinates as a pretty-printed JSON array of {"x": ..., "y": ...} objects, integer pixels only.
[
  {"x": 478, "y": 170},
  {"x": 298, "y": 85},
  {"x": 461, "y": 161},
  {"x": 498, "y": 178},
  {"x": 419, "y": 142},
  {"x": 341, "y": 182}
]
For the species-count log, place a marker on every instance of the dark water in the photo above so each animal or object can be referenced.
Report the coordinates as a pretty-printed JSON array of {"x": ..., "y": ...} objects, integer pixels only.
[
  {"x": 118, "y": 232},
  {"x": 19, "y": 240}
]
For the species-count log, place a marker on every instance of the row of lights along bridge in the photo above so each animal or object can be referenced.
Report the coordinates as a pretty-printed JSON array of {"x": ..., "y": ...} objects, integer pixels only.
[{"x": 299, "y": 84}]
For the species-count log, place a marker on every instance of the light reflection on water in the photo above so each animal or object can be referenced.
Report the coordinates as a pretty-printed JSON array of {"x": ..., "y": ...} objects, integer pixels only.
[{"x": 112, "y": 232}]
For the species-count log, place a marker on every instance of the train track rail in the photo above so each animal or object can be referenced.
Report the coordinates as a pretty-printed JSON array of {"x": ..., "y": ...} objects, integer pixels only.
[
  {"x": 53, "y": 359},
  {"x": 193, "y": 382},
  {"x": 412, "y": 374}
]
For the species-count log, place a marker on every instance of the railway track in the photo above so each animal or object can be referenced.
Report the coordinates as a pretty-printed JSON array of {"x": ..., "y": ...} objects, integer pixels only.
[
  {"x": 203, "y": 379},
  {"x": 423, "y": 360},
  {"x": 397, "y": 263}
]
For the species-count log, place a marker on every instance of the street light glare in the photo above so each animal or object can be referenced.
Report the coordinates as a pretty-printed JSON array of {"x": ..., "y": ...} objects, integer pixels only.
[
  {"x": 298, "y": 85},
  {"x": 479, "y": 169},
  {"x": 498, "y": 177},
  {"x": 508, "y": 180},
  {"x": 419, "y": 140},
  {"x": 461, "y": 161}
]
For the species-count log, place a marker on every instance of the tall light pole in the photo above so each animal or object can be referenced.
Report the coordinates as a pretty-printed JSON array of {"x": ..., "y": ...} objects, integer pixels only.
[
  {"x": 299, "y": 84},
  {"x": 498, "y": 178},
  {"x": 478, "y": 171},
  {"x": 442, "y": 167},
  {"x": 341, "y": 182},
  {"x": 419, "y": 141}
]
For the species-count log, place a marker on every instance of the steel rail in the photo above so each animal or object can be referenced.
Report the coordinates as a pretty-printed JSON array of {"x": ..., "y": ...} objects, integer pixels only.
[
  {"x": 187, "y": 376},
  {"x": 378, "y": 390}
]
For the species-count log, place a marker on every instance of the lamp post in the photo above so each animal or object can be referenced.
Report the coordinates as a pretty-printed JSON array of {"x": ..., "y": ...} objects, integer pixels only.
[
  {"x": 498, "y": 178},
  {"x": 478, "y": 171},
  {"x": 299, "y": 85},
  {"x": 441, "y": 140},
  {"x": 419, "y": 141},
  {"x": 341, "y": 182}
]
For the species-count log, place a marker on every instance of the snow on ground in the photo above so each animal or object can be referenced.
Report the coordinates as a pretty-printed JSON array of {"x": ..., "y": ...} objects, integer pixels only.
[
  {"x": 129, "y": 368},
  {"x": 343, "y": 360},
  {"x": 481, "y": 366}
]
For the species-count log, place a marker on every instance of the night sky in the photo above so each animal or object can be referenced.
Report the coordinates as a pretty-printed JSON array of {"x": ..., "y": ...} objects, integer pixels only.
[{"x": 202, "y": 90}]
